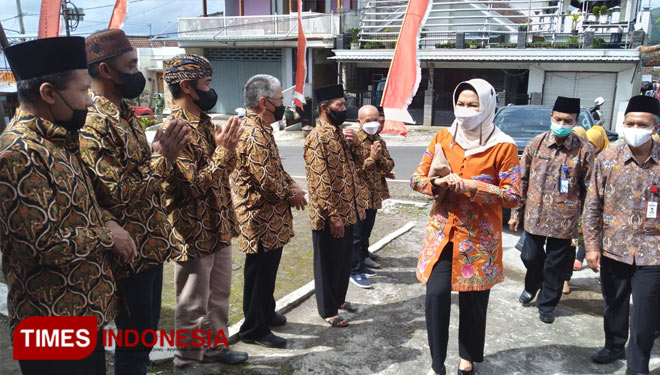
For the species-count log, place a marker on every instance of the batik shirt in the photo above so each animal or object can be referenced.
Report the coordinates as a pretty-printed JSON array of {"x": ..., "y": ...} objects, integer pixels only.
[
  {"x": 56, "y": 253},
  {"x": 335, "y": 190},
  {"x": 261, "y": 189},
  {"x": 615, "y": 218},
  {"x": 548, "y": 211},
  {"x": 372, "y": 171},
  {"x": 127, "y": 180},
  {"x": 471, "y": 222},
  {"x": 197, "y": 191}
]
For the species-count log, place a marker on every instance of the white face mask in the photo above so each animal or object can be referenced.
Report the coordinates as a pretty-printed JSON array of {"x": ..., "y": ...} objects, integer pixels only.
[
  {"x": 636, "y": 137},
  {"x": 371, "y": 128},
  {"x": 468, "y": 119}
]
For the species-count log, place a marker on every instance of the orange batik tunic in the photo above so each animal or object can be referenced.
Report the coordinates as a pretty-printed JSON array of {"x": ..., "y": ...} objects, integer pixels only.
[{"x": 473, "y": 223}]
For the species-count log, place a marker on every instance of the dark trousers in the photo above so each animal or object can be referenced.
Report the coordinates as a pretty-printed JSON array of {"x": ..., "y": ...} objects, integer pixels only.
[
  {"x": 472, "y": 308},
  {"x": 259, "y": 276},
  {"x": 94, "y": 364},
  {"x": 361, "y": 233},
  {"x": 332, "y": 269},
  {"x": 140, "y": 295},
  {"x": 618, "y": 281},
  {"x": 546, "y": 269}
]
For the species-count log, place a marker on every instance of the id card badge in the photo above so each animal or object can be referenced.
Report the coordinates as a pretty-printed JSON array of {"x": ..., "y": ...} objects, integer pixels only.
[
  {"x": 563, "y": 186},
  {"x": 651, "y": 210}
]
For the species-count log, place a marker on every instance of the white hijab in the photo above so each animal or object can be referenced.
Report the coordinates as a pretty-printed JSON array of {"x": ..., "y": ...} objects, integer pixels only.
[{"x": 486, "y": 135}]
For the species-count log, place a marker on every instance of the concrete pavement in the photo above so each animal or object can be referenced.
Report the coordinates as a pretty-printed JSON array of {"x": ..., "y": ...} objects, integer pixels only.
[{"x": 388, "y": 334}]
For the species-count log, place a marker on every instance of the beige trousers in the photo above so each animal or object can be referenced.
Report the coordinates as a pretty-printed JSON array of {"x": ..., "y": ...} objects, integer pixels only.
[{"x": 202, "y": 300}]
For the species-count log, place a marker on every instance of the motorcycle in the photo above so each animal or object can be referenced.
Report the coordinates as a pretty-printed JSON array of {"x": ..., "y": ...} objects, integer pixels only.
[{"x": 596, "y": 113}]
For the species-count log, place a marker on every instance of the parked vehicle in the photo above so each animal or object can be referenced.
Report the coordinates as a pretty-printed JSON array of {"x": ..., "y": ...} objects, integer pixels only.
[
  {"x": 524, "y": 122},
  {"x": 595, "y": 110}
]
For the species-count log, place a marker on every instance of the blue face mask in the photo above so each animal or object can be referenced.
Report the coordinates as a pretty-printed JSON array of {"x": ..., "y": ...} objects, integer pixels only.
[{"x": 561, "y": 130}]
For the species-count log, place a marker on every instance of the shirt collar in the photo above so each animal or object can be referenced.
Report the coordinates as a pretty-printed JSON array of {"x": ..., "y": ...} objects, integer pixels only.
[
  {"x": 192, "y": 119},
  {"x": 654, "y": 155},
  {"x": 108, "y": 108},
  {"x": 46, "y": 129},
  {"x": 568, "y": 143},
  {"x": 257, "y": 119}
]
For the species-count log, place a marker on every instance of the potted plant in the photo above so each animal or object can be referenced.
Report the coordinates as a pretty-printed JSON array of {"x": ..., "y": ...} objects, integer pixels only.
[
  {"x": 355, "y": 40},
  {"x": 573, "y": 42},
  {"x": 575, "y": 17}
]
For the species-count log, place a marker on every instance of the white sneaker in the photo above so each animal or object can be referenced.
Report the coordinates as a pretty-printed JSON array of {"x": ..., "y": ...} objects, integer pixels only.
[{"x": 370, "y": 263}]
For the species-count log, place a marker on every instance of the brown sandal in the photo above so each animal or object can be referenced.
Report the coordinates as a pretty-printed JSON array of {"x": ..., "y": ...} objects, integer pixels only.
[{"x": 337, "y": 321}]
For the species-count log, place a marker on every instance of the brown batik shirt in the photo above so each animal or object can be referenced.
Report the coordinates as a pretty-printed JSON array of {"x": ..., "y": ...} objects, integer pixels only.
[
  {"x": 261, "y": 189},
  {"x": 127, "y": 180},
  {"x": 56, "y": 253},
  {"x": 197, "y": 192},
  {"x": 615, "y": 219},
  {"x": 372, "y": 171},
  {"x": 548, "y": 211},
  {"x": 335, "y": 190}
]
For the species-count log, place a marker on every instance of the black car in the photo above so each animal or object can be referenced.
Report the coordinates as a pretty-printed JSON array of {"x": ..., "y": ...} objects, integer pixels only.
[{"x": 524, "y": 122}]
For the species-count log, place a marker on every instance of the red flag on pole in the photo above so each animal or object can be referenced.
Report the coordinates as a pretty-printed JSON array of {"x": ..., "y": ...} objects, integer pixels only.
[
  {"x": 118, "y": 15},
  {"x": 301, "y": 67},
  {"x": 405, "y": 73},
  {"x": 49, "y": 19}
]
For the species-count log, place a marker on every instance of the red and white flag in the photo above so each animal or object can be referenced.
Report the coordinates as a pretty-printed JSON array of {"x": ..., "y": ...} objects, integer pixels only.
[
  {"x": 118, "y": 15},
  {"x": 49, "y": 19},
  {"x": 301, "y": 67},
  {"x": 405, "y": 73}
]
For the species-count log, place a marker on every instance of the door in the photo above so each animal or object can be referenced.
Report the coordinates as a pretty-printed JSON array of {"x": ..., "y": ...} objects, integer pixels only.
[
  {"x": 584, "y": 85},
  {"x": 233, "y": 67}
]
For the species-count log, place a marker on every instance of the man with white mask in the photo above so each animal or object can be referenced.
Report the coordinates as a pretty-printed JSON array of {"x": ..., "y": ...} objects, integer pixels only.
[
  {"x": 556, "y": 167},
  {"x": 622, "y": 233},
  {"x": 374, "y": 165}
]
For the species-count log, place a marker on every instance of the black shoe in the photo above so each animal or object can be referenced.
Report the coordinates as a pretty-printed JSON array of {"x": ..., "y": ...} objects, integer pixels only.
[
  {"x": 547, "y": 317},
  {"x": 632, "y": 372},
  {"x": 277, "y": 320},
  {"x": 606, "y": 356},
  {"x": 269, "y": 341},
  {"x": 466, "y": 372},
  {"x": 231, "y": 357},
  {"x": 525, "y": 297}
]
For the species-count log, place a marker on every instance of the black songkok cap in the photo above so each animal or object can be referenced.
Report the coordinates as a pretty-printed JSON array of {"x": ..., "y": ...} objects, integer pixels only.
[
  {"x": 329, "y": 92},
  {"x": 40, "y": 57},
  {"x": 567, "y": 105},
  {"x": 643, "y": 103}
]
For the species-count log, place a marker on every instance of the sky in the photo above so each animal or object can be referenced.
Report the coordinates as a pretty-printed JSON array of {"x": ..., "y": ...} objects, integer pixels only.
[{"x": 144, "y": 17}]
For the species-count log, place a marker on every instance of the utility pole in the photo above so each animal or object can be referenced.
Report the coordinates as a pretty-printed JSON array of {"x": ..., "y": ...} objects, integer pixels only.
[
  {"x": 65, "y": 14},
  {"x": 20, "y": 17},
  {"x": 204, "y": 13}
]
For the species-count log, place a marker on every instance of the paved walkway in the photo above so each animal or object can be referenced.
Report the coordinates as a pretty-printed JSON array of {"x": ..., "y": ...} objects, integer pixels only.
[{"x": 388, "y": 334}]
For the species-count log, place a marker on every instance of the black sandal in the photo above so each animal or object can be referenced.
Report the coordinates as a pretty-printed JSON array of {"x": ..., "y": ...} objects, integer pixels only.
[
  {"x": 337, "y": 321},
  {"x": 348, "y": 307}
]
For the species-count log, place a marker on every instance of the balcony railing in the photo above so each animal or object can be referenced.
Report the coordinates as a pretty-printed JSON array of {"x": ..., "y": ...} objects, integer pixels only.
[{"x": 315, "y": 25}]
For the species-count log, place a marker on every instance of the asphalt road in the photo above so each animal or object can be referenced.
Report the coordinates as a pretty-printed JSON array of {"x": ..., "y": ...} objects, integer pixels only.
[{"x": 406, "y": 159}]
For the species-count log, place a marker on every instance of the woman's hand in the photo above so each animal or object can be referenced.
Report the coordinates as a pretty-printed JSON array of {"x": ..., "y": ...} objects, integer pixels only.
[{"x": 460, "y": 185}]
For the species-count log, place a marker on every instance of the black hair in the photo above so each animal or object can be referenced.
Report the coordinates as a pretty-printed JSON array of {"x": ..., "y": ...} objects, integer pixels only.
[
  {"x": 327, "y": 102},
  {"x": 175, "y": 88},
  {"x": 28, "y": 89},
  {"x": 93, "y": 69}
]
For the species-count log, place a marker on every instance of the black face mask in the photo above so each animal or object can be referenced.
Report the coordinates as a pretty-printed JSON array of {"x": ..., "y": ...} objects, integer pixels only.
[
  {"x": 278, "y": 113},
  {"x": 207, "y": 99},
  {"x": 77, "y": 120},
  {"x": 337, "y": 117},
  {"x": 132, "y": 84}
]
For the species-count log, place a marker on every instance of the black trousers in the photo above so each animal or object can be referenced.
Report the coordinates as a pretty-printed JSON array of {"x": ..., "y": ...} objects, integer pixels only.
[
  {"x": 546, "y": 269},
  {"x": 472, "y": 308},
  {"x": 93, "y": 364},
  {"x": 332, "y": 269},
  {"x": 361, "y": 233},
  {"x": 259, "y": 277},
  {"x": 142, "y": 294},
  {"x": 618, "y": 281}
]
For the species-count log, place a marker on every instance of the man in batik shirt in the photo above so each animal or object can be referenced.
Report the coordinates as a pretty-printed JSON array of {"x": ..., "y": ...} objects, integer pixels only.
[
  {"x": 127, "y": 180},
  {"x": 622, "y": 233},
  {"x": 200, "y": 207},
  {"x": 375, "y": 164},
  {"x": 263, "y": 193},
  {"x": 58, "y": 247},
  {"x": 556, "y": 167},
  {"x": 337, "y": 201}
]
